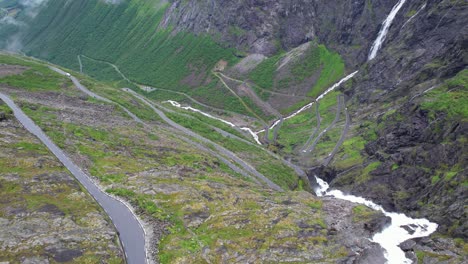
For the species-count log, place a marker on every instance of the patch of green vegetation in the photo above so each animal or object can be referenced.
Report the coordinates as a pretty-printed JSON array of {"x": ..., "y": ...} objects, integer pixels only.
[
  {"x": 184, "y": 159},
  {"x": 332, "y": 70},
  {"x": 9, "y": 187},
  {"x": 295, "y": 131},
  {"x": 67, "y": 204},
  {"x": 203, "y": 129},
  {"x": 411, "y": 13},
  {"x": 388, "y": 113},
  {"x": 450, "y": 98},
  {"x": 263, "y": 75},
  {"x": 100, "y": 70},
  {"x": 93, "y": 259},
  {"x": 362, "y": 213},
  {"x": 317, "y": 59},
  {"x": 32, "y": 147},
  {"x": 5, "y": 109},
  {"x": 236, "y": 31},
  {"x": 279, "y": 174},
  {"x": 294, "y": 107},
  {"x": 114, "y": 178},
  {"x": 316, "y": 204},
  {"x": 460, "y": 243},
  {"x": 119, "y": 34},
  {"x": 435, "y": 179},
  {"x": 308, "y": 65},
  {"x": 402, "y": 195},
  {"x": 218, "y": 124},
  {"x": 216, "y": 95},
  {"x": 365, "y": 176},
  {"x": 422, "y": 255},
  {"x": 142, "y": 201},
  {"x": 35, "y": 77},
  {"x": 395, "y": 167},
  {"x": 350, "y": 153}
]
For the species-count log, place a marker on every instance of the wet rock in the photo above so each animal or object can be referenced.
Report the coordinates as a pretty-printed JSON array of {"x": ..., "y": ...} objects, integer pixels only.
[
  {"x": 412, "y": 256},
  {"x": 377, "y": 223},
  {"x": 408, "y": 229},
  {"x": 325, "y": 173},
  {"x": 372, "y": 255},
  {"x": 407, "y": 245}
]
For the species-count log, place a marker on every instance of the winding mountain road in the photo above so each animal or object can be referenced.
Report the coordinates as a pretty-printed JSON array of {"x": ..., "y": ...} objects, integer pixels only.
[
  {"x": 116, "y": 68},
  {"x": 340, "y": 106},
  {"x": 96, "y": 96},
  {"x": 131, "y": 232},
  {"x": 317, "y": 128},
  {"x": 341, "y": 140}
]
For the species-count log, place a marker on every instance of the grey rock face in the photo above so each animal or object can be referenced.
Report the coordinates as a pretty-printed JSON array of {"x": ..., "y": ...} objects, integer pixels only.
[{"x": 266, "y": 26}]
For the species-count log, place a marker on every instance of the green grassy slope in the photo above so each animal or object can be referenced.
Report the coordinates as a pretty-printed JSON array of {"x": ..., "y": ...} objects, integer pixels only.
[
  {"x": 127, "y": 35},
  {"x": 317, "y": 60}
]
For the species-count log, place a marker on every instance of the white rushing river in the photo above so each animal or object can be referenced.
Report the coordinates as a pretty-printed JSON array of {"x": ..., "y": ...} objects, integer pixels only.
[{"x": 393, "y": 235}]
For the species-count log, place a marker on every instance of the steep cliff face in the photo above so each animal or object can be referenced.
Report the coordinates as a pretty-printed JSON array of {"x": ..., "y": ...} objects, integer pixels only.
[
  {"x": 267, "y": 27},
  {"x": 427, "y": 41},
  {"x": 413, "y": 95}
]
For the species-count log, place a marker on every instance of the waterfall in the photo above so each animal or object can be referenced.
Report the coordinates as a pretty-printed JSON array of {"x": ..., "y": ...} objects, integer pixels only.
[
  {"x": 384, "y": 30},
  {"x": 393, "y": 235}
]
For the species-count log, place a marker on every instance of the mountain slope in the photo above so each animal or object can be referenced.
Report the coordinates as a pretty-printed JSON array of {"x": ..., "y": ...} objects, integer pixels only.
[
  {"x": 195, "y": 207},
  {"x": 395, "y": 132}
]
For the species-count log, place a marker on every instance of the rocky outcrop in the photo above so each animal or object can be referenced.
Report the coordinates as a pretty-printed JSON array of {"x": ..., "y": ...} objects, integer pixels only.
[
  {"x": 430, "y": 44},
  {"x": 268, "y": 26},
  {"x": 415, "y": 146},
  {"x": 420, "y": 151}
]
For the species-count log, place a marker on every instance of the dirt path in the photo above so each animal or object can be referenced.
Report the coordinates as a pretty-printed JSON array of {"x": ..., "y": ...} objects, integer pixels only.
[
  {"x": 108, "y": 63},
  {"x": 260, "y": 88},
  {"x": 166, "y": 90},
  {"x": 240, "y": 99}
]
